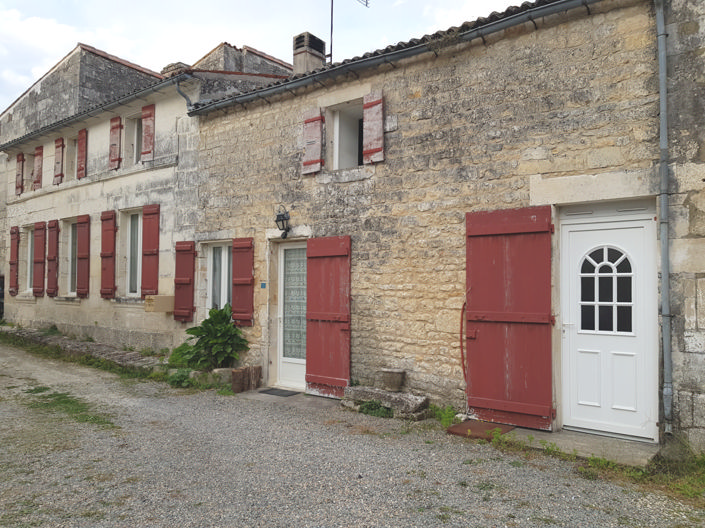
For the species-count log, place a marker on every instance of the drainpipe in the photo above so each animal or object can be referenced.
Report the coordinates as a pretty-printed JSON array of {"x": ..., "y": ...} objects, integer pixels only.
[
  {"x": 664, "y": 215},
  {"x": 189, "y": 104}
]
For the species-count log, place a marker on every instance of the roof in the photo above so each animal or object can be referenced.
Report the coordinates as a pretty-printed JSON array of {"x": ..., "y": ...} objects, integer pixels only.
[
  {"x": 89, "y": 49},
  {"x": 157, "y": 87},
  {"x": 512, "y": 16}
]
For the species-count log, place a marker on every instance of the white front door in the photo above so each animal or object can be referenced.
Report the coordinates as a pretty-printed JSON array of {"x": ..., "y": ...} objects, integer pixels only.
[
  {"x": 292, "y": 316},
  {"x": 610, "y": 326}
]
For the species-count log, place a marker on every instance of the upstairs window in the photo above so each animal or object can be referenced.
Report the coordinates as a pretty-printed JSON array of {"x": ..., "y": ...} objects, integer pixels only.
[
  {"x": 81, "y": 154},
  {"x": 38, "y": 170},
  {"x": 59, "y": 148},
  {"x": 19, "y": 174},
  {"x": 345, "y": 135},
  {"x": 115, "y": 143},
  {"x": 354, "y": 134},
  {"x": 139, "y": 136}
]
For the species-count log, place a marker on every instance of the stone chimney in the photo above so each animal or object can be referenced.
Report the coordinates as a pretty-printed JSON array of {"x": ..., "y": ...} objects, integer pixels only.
[
  {"x": 309, "y": 53},
  {"x": 174, "y": 68}
]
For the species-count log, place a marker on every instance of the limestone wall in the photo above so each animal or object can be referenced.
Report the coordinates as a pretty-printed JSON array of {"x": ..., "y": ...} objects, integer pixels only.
[
  {"x": 477, "y": 127},
  {"x": 686, "y": 44}
]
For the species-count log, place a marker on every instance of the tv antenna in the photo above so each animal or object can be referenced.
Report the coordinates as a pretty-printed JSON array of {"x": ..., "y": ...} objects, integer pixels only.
[{"x": 366, "y": 3}]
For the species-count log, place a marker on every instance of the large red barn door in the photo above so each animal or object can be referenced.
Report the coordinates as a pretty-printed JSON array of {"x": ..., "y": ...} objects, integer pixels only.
[
  {"x": 509, "y": 317},
  {"x": 328, "y": 315}
]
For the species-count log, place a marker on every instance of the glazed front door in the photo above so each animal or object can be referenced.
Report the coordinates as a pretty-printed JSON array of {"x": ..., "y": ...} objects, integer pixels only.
[
  {"x": 610, "y": 341},
  {"x": 292, "y": 316}
]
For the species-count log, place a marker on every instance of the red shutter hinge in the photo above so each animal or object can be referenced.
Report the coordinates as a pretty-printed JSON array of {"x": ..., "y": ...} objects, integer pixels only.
[
  {"x": 552, "y": 318},
  {"x": 552, "y": 228},
  {"x": 553, "y": 414}
]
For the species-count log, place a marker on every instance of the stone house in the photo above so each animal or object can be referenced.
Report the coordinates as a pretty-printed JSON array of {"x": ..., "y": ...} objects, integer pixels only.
[
  {"x": 510, "y": 211},
  {"x": 100, "y": 162},
  {"x": 531, "y": 174}
]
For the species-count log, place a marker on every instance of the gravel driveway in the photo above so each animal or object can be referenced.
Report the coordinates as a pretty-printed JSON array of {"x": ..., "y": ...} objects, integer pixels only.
[{"x": 176, "y": 458}]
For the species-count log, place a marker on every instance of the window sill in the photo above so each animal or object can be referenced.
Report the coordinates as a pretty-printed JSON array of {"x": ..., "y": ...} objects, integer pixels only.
[
  {"x": 129, "y": 301},
  {"x": 67, "y": 300},
  {"x": 26, "y": 298},
  {"x": 364, "y": 172}
]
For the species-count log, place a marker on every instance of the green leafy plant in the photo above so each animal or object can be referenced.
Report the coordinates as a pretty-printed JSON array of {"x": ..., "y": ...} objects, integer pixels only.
[
  {"x": 180, "y": 379},
  {"x": 216, "y": 343},
  {"x": 445, "y": 415}
]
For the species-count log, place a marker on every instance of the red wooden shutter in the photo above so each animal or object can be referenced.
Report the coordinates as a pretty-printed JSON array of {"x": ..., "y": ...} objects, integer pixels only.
[
  {"x": 184, "y": 275},
  {"x": 150, "y": 250},
  {"x": 38, "y": 168},
  {"x": 373, "y": 128},
  {"x": 328, "y": 315},
  {"x": 115, "y": 136},
  {"x": 53, "y": 258},
  {"x": 509, "y": 317},
  {"x": 243, "y": 281},
  {"x": 147, "y": 153},
  {"x": 58, "y": 161},
  {"x": 107, "y": 254},
  {"x": 19, "y": 175},
  {"x": 313, "y": 136},
  {"x": 83, "y": 255},
  {"x": 81, "y": 153},
  {"x": 39, "y": 255},
  {"x": 14, "y": 260}
]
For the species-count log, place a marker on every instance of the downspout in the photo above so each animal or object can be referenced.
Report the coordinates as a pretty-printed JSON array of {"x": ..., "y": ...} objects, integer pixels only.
[
  {"x": 189, "y": 104},
  {"x": 663, "y": 222}
]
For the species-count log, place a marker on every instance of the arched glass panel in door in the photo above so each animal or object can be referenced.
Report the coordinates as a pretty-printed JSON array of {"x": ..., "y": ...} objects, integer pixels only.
[{"x": 606, "y": 296}]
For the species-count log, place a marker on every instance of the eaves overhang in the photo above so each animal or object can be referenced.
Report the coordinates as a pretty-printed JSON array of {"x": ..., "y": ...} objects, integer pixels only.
[
  {"x": 480, "y": 28},
  {"x": 99, "y": 109}
]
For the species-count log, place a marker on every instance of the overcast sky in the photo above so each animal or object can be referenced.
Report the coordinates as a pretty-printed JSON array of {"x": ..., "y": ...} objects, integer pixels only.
[{"x": 36, "y": 34}]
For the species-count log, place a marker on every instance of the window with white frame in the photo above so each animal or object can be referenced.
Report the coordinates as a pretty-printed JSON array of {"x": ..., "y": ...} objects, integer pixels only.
[
  {"x": 29, "y": 237},
  {"x": 344, "y": 123},
  {"x": 73, "y": 258},
  {"x": 134, "y": 253},
  {"x": 133, "y": 139},
  {"x": 70, "y": 158},
  {"x": 220, "y": 273}
]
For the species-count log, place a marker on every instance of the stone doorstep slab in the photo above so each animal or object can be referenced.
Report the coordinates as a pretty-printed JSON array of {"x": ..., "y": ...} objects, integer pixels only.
[{"x": 404, "y": 404}]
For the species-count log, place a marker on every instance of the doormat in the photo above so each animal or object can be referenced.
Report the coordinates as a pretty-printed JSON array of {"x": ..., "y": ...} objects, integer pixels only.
[
  {"x": 478, "y": 429},
  {"x": 279, "y": 392}
]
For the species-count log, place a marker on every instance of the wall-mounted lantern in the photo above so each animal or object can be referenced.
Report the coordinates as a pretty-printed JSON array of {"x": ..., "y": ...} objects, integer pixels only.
[{"x": 282, "y": 221}]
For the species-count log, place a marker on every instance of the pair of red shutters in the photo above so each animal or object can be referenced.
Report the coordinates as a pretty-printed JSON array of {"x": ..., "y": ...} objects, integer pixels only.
[
  {"x": 38, "y": 168},
  {"x": 243, "y": 262}
]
